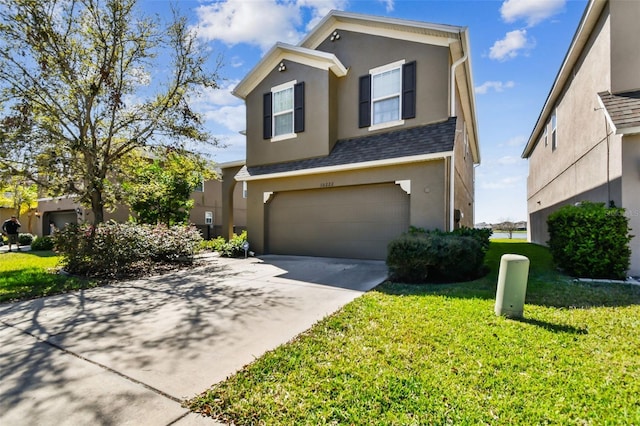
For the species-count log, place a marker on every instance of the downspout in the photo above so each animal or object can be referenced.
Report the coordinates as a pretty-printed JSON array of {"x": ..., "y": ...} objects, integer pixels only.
[
  {"x": 452, "y": 113},
  {"x": 452, "y": 170}
]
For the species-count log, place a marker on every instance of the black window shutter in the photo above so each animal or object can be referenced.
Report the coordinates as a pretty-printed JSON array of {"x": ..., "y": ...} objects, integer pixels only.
[
  {"x": 266, "y": 118},
  {"x": 364, "y": 116},
  {"x": 409, "y": 90},
  {"x": 298, "y": 107}
]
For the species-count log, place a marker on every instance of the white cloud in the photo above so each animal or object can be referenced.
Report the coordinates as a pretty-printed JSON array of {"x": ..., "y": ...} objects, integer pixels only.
[
  {"x": 510, "y": 45},
  {"x": 497, "y": 86},
  {"x": 531, "y": 11},
  {"x": 260, "y": 23},
  {"x": 516, "y": 141},
  {"x": 231, "y": 117},
  {"x": 389, "y": 4},
  {"x": 506, "y": 182},
  {"x": 508, "y": 160}
]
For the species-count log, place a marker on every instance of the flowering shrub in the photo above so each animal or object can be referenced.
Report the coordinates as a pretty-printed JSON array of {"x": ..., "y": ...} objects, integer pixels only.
[{"x": 121, "y": 249}]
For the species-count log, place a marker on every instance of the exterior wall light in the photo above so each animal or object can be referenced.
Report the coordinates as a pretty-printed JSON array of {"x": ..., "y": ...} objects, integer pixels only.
[
  {"x": 335, "y": 36},
  {"x": 282, "y": 67}
]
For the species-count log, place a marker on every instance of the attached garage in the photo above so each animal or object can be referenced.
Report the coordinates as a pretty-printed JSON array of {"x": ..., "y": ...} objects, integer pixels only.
[{"x": 349, "y": 221}]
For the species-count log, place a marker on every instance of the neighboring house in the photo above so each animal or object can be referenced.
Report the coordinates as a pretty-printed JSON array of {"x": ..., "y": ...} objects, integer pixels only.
[
  {"x": 364, "y": 128},
  {"x": 586, "y": 142},
  {"x": 206, "y": 213}
]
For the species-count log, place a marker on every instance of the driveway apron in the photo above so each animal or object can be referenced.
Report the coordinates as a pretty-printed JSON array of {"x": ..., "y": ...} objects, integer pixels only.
[{"x": 129, "y": 353}]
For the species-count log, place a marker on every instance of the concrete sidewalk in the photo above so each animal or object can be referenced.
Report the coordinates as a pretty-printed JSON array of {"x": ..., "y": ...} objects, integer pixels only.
[{"x": 130, "y": 353}]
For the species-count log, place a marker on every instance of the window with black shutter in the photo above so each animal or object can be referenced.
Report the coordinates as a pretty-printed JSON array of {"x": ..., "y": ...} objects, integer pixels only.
[
  {"x": 283, "y": 111},
  {"x": 387, "y": 95}
]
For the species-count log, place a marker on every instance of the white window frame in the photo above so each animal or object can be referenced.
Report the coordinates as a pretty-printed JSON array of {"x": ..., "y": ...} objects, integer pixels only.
[
  {"x": 244, "y": 189},
  {"x": 274, "y": 90},
  {"x": 208, "y": 218},
  {"x": 545, "y": 136},
  {"x": 379, "y": 70},
  {"x": 554, "y": 130}
]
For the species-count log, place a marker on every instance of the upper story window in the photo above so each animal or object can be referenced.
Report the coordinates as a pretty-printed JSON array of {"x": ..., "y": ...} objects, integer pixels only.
[
  {"x": 545, "y": 137},
  {"x": 387, "y": 95},
  {"x": 283, "y": 111},
  {"x": 554, "y": 131}
]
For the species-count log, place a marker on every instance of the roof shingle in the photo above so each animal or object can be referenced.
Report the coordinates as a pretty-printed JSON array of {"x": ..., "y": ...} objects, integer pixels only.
[
  {"x": 623, "y": 109},
  {"x": 421, "y": 140}
]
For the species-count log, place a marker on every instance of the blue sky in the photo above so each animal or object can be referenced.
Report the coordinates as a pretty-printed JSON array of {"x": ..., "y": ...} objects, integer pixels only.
[{"x": 517, "y": 47}]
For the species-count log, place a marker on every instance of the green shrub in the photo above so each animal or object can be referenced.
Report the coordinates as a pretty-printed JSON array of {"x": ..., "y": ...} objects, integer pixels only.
[
  {"x": 234, "y": 247},
  {"x": 121, "y": 249},
  {"x": 590, "y": 240},
  {"x": 42, "y": 243},
  {"x": 214, "y": 244},
  {"x": 434, "y": 256},
  {"x": 25, "y": 239}
]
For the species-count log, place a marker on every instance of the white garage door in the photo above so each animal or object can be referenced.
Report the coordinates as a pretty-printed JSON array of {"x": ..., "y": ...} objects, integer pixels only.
[{"x": 353, "y": 222}]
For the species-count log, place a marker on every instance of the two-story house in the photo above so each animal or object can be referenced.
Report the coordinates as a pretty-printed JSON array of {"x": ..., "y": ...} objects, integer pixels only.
[
  {"x": 585, "y": 145},
  {"x": 364, "y": 128}
]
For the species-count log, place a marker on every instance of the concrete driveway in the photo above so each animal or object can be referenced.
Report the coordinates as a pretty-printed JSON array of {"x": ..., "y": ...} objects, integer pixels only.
[{"x": 130, "y": 353}]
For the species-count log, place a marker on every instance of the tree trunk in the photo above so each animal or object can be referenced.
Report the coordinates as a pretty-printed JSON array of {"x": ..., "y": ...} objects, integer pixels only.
[{"x": 97, "y": 206}]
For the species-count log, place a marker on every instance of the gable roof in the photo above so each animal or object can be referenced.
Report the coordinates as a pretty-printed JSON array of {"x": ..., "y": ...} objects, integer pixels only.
[
  {"x": 403, "y": 29},
  {"x": 580, "y": 38},
  {"x": 623, "y": 111},
  {"x": 401, "y": 146},
  {"x": 281, "y": 51}
]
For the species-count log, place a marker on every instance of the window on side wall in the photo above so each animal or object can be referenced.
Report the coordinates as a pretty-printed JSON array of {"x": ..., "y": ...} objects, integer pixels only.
[
  {"x": 545, "y": 136},
  {"x": 387, "y": 95},
  {"x": 554, "y": 131},
  {"x": 283, "y": 111}
]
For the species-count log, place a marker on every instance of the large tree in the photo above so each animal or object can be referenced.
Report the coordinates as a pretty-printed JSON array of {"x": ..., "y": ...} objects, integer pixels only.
[{"x": 86, "y": 83}]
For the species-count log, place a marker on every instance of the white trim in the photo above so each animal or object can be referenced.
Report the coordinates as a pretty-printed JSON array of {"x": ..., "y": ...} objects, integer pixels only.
[
  {"x": 284, "y": 86},
  {"x": 283, "y": 51},
  {"x": 352, "y": 166},
  {"x": 386, "y": 124},
  {"x": 283, "y": 137},
  {"x": 628, "y": 131},
  {"x": 235, "y": 163},
  {"x": 290, "y": 85},
  {"x": 387, "y": 67}
]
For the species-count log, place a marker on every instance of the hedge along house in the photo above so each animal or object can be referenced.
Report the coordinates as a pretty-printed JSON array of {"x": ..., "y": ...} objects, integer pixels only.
[
  {"x": 585, "y": 145},
  {"x": 364, "y": 128}
]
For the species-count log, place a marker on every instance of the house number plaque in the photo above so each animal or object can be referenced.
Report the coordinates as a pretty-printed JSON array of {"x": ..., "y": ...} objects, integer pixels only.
[{"x": 326, "y": 184}]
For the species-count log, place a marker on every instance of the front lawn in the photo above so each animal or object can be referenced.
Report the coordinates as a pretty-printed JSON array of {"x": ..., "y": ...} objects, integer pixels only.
[
  {"x": 26, "y": 275},
  {"x": 437, "y": 354}
]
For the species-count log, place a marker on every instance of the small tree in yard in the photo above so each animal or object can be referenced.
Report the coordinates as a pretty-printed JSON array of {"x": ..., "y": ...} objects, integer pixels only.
[
  {"x": 76, "y": 100},
  {"x": 160, "y": 191},
  {"x": 507, "y": 226}
]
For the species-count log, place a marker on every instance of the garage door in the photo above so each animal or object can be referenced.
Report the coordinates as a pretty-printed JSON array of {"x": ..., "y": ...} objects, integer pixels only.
[{"x": 354, "y": 222}]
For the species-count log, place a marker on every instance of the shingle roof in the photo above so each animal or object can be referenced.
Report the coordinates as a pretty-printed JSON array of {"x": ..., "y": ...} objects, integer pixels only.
[
  {"x": 429, "y": 139},
  {"x": 623, "y": 109}
]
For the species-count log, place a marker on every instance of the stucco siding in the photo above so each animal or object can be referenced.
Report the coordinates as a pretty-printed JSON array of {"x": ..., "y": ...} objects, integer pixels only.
[
  {"x": 579, "y": 163},
  {"x": 625, "y": 46},
  {"x": 363, "y": 52},
  {"x": 631, "y": 195},
  {"x": 464, "y": 172},
  {"x": 313, "y": 141}
]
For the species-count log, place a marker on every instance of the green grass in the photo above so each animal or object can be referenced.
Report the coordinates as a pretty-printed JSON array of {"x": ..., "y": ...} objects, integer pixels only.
[
  {"x": 27, "y": 275},
  {"x": 437, "y": 354}
]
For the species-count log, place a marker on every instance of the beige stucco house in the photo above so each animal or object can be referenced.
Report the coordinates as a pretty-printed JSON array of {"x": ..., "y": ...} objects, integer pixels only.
[
  {"x": 364, "y": 128},
  {"x": 586, "y": 142}
]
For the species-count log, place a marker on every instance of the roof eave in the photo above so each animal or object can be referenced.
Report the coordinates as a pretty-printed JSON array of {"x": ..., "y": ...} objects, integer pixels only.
[
  {"x": 585, "y": 27},
  {"x": 280, "y": 51}
]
